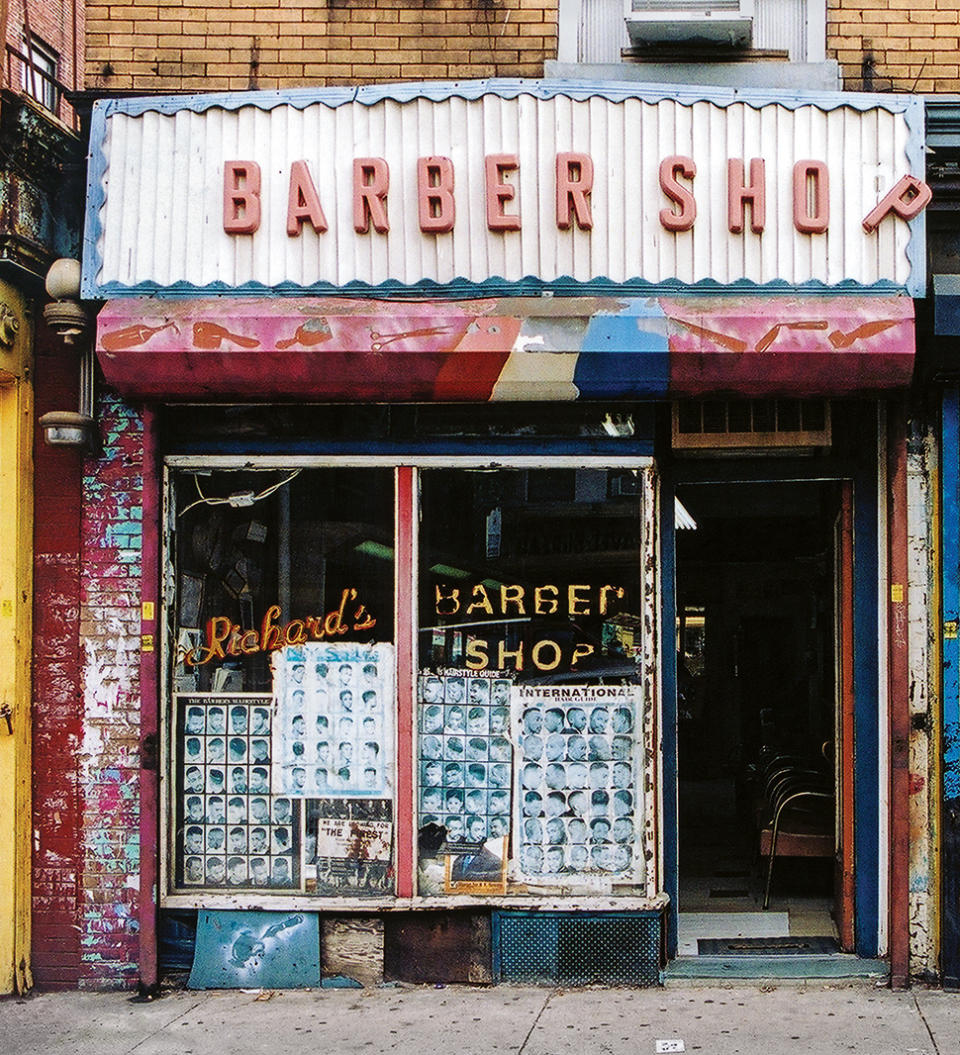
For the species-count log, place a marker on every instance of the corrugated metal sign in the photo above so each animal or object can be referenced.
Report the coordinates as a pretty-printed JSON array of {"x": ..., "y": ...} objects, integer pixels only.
[{"x": 499, "y": 187}]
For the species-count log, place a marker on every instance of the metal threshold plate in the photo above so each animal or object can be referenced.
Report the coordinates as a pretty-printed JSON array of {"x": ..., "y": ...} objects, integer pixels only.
[{"x": 786, "y": 946}]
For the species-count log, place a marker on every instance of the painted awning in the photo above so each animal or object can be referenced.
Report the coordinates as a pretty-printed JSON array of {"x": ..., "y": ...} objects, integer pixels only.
[{"x": 501, "y": 349}]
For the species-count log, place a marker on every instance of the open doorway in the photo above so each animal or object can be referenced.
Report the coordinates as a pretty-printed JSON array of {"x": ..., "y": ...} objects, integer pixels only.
[{"x": 760, "y": 614}]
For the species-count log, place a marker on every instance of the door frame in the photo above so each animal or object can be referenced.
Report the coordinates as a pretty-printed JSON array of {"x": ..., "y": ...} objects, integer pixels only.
[{"x": 863, "y": 473}]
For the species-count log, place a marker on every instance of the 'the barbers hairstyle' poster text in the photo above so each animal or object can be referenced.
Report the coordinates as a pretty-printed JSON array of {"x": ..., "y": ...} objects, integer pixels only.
[
  {"x": 230, "y": 831},
  {"x": 465, "y": 755}
]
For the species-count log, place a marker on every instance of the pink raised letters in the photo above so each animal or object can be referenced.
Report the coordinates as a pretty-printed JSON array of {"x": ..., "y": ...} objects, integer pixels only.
[
  {"x": 303, "y": 202},
  {"x": 371, "y": 181},
  {"x": 435, "y": 201},
  {"x": 574, "y": 184},
  {"x": 670, "y": 169},
  {"x": 499, "y": 192},
  {"x": 811, "y": 180},
  {"x": 739, "y": 193},
  {"x": 241, "y": 197}
]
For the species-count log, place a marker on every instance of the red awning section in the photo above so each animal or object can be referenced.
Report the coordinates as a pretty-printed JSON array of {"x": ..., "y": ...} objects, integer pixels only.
[
  {"x": 790, "y": 346},
  {"x": 340, "y": 350}
]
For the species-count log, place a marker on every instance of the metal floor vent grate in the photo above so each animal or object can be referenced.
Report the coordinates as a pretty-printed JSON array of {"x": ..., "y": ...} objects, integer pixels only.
[{"x": 567, "y": 949}]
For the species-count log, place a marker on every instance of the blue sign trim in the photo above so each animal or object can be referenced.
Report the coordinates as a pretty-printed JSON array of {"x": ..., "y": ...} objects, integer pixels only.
[{"x": 508, "y": 88}]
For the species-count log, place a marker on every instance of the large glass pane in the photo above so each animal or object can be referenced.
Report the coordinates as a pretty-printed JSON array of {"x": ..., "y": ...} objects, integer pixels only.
[
  {"x": 533, "y": 645},
  {"x": 283, "y": 711}
]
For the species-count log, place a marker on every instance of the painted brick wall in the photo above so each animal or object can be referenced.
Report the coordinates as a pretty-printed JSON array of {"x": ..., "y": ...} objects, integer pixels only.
[
  {"x": 109, "y": 754},
  {"x": 156, "y": 45},
  {"x": 57, "y": 707},
  {"x": 59, "y": 24}
]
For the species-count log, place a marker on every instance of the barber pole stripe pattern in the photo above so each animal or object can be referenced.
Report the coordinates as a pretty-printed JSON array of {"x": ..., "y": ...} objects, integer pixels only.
[{"x": 501, "y": 350}]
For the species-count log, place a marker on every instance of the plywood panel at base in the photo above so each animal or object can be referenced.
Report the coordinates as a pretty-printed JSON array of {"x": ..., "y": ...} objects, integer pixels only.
[
  {"x": 438, "y": 947},
  {"x": 352, "y": 948}
]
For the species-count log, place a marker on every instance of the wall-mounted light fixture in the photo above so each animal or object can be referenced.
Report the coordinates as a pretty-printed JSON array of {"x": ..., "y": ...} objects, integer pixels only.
[{"x": 67, "y": 317}]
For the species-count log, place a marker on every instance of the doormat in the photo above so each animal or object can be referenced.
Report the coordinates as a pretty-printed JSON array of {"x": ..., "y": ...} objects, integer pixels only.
[{"x": 795, "y": 946}]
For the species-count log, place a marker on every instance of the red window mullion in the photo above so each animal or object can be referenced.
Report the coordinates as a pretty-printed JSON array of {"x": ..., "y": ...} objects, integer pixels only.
[{"x": 405, "y": 593}]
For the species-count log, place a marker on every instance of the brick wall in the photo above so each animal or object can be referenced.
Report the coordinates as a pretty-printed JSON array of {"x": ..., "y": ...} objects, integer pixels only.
[
  {"x": 896, "y": 45},
  {"x": 57, "y": 707},
  {"x": 175, "y": 45},
  {"x": 109, "y": 754},
  {"x": 169, "y": 45}
]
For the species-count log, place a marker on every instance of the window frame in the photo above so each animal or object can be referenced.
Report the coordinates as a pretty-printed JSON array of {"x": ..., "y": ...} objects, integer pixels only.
[
  {"x": 406, "y": 570},
  {"x": 36, "y": 55}
]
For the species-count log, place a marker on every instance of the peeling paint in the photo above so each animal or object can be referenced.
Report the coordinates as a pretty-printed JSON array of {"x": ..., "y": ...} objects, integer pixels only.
[
  {"x": 111, "y": 532},
  {"x": 922, "y": 572}
]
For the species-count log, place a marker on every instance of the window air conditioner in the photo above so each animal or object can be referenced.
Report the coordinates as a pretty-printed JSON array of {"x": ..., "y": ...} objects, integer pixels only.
[{"x": 686, "y": 23}]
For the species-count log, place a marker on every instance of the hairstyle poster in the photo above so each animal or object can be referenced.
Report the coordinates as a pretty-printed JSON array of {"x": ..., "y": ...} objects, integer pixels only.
[
  {"x": 465, "y": 755},
  {"x": 333, "y": 721},
  {"x": 230, "y": 832},
  {"x": 576, "y": 815}
]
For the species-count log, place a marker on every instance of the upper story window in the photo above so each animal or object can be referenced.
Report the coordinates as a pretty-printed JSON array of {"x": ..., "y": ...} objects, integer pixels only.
[
  {"x": 599, "y": 31},
  {"x": 39, "y": 68}
]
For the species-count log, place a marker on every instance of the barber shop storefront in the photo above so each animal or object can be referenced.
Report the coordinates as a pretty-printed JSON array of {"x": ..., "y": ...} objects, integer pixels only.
[{"x": 521, "y": 527}]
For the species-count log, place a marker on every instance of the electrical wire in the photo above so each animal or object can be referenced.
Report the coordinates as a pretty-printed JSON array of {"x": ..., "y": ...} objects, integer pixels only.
[{"x": 238, "y": 500}]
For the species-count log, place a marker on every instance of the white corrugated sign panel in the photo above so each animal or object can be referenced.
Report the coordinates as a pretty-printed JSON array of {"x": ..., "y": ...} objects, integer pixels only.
[{"x": 155, "y": 203}]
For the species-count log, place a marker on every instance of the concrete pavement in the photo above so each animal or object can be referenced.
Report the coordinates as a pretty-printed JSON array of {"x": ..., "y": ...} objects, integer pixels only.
[{"x": 807, "y": 1019}]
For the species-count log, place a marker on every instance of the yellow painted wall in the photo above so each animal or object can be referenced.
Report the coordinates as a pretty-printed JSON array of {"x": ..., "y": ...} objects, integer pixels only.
[{"x": 16, "y": 600}]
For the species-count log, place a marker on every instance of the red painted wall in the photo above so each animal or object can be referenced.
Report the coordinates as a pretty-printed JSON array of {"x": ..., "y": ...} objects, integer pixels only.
[
  {"x": 57, "y": 705},
  {"x": 86, "y": 693}
]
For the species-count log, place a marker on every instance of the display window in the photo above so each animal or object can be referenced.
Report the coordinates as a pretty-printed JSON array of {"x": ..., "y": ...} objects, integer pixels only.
[
  {"x": 516, "y": 750},
  {"x": 534, "y": 698},
  {"x": 283, "y": 678}
]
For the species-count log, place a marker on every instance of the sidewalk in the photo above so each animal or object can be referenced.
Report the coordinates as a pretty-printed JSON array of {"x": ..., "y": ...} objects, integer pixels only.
[{"x": 805, "y": 1020}]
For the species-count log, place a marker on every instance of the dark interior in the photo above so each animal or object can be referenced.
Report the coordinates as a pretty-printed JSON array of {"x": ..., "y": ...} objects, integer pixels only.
[{"x": 755, "y": 605}]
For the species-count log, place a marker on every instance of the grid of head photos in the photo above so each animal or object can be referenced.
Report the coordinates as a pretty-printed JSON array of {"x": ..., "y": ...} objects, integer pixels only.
[
  {"x": 465, "y": 755},
  {"x": 577, "y": 808},
  {"x": 333, "y": 730},
  {"x": 230, "y": 831}
]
